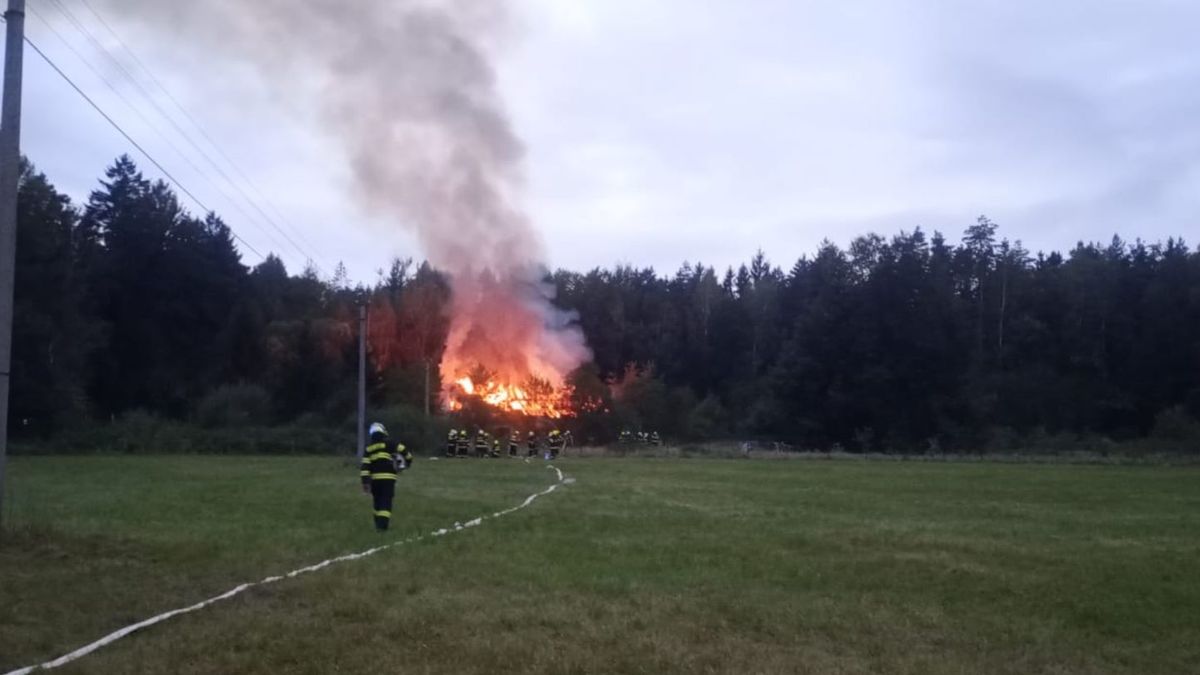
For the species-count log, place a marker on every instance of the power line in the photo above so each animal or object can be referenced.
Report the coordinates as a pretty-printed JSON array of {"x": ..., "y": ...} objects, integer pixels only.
[
  {"x": 200, "y": 128},
  {"x": 132, "y": 142},
  {"x": 137, "y": 111},
  {"x": 182, "y": 132},
  {"x": 83, "y": 29},
  {"x": 117, "y": 92}
]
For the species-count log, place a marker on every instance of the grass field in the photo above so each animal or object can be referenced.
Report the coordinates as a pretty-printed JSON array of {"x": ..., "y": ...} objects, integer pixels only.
[{"x": 640, "y": 566}]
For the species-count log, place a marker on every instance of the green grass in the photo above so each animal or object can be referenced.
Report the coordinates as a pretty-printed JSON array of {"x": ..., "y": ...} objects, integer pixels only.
[{"x": 643, "y": 566}]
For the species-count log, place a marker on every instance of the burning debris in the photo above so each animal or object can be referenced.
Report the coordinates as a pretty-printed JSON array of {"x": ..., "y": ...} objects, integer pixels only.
[
  {"x": 509, "y": 347},
  {"x": 536, "y": 398}
]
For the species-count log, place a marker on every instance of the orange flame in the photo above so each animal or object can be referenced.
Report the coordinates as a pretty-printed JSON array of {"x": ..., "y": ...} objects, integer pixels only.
[
  {"x": 533, "y": 401},
  {"x": 507, "y": 346}
]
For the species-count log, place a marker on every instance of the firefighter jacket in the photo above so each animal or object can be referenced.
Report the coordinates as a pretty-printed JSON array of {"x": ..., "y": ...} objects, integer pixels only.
[{"x": 383, "y": 460}]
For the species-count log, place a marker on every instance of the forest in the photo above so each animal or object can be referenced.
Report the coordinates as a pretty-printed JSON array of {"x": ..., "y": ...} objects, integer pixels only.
[{"x": 135, "y": 319}]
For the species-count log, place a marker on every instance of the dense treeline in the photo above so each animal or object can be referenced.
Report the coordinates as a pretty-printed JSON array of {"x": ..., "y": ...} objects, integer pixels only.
[
  {"x": 913, "y": 343},
  {"x": 130, "y": 307}
]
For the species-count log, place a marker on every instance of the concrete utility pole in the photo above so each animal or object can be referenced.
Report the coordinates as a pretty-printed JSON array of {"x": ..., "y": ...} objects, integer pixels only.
[
  {"x": 10, "y": 173},
  {"x": 362, "y": 379}
]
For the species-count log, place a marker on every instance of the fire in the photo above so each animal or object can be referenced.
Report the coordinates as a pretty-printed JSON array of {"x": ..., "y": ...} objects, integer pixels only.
[
  {"x": 536, "y": 399},
  {"x": 507, "y": 346},
  {"x": 467, "y": 385}
]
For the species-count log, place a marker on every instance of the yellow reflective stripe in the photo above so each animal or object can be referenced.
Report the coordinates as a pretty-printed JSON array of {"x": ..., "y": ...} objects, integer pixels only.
[
  {"x": 379, "y": 456},
  {"x": 364, "y": 472},
  {"x": 374, "y": 447},
  {"x": 377, "y": 476},
  {"x": 384, "y": 514}
]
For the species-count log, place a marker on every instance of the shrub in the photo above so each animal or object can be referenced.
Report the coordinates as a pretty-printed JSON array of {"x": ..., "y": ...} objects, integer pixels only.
[
  {"x": 1001, "y": 439},
  {"x": 420, "y": 434},
  {"x": 707, "y": 419},
  {"x": 234, "y": 405},
  {"x": 139, "y": 432},
  {"x": 1176, "y": 428}
]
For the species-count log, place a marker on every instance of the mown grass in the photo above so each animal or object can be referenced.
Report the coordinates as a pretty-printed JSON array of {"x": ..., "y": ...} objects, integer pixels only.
[{"x": 640, "y": 566}]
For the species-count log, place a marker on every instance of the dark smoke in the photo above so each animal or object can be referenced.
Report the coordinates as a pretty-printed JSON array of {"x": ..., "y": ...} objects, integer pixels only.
[{"x": 409, "y": 90}]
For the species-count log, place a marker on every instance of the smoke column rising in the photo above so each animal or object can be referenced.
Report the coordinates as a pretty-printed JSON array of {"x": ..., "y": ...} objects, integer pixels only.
[{"x": 408, "y": 89}]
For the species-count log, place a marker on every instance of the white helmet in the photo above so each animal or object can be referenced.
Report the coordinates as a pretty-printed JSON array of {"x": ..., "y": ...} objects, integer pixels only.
[{"x": 377, "y": 428}]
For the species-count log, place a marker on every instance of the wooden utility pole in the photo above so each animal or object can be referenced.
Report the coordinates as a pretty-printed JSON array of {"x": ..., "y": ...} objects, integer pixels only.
[
  {"x": 10, "y": 174},
  {"x": 362, "y": 378}
]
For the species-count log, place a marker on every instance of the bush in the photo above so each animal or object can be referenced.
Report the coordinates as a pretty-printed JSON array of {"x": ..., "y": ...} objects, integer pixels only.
[
  {"x": 1001, "y": 439},
  {"x": 234, "y": 405},
  {"x": 139, "y": 432},
  {"x": 707, "y": 419},
  {"x": 1177, "y": 429},
  {"x": 136, "y": 431},
  {"x": 420, "y": 434}
]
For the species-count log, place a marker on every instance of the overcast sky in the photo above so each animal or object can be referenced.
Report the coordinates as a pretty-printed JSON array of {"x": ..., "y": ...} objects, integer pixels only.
[{"x": 659, "y": 132}]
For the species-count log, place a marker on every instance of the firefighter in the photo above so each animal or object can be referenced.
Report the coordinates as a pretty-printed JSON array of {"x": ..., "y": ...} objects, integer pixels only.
[
  {"x": 451, "y": 442},
  {"x": 464, "y": 443},
  {"x": 495, "y": 446},
  {"x": 481, "y": 443},
  {"x": 514, "y": 441},
  {"x": 655, "y": 439},
  {"x": 531, "y": 444},
  {"x": 382, "y": 461},
  {"x": 557, "y": 442}
]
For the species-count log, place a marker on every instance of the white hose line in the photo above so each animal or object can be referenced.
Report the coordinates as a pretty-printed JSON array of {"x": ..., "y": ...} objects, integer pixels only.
[{"x": 117, "y": 635}]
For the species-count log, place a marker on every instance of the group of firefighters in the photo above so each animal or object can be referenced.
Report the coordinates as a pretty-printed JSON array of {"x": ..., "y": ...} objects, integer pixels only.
[
  {"x": 461, "y": 443},
  {"x": 384, "y": 459},
  {"x": 641, "y": 437}
]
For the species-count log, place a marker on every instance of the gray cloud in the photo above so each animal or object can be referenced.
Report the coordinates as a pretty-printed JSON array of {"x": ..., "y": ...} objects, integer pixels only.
[{"x": 778, "y": 124}]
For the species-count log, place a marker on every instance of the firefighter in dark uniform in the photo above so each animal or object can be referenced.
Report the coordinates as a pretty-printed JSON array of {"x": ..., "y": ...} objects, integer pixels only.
[
  {"x": 382, "y": 462},
  {"x": 481, "y": 444},
  {"x": 514, "y": 441},
  {"x": 451, "y": 442},
  {"x": 464, "y": 443},
  {"x": 531, "y": 443}
]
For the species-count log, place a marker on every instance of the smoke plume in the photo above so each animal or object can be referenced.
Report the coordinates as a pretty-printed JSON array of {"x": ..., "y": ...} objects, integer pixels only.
[{"x": 408, "y": 88}]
